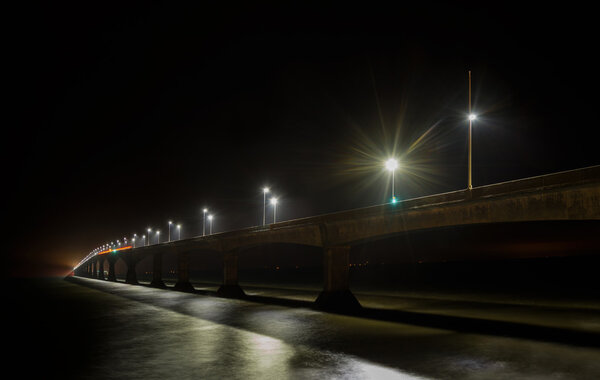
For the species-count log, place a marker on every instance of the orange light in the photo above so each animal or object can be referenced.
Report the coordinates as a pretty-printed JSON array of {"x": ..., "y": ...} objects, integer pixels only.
[{"x": 112, "y": 250}]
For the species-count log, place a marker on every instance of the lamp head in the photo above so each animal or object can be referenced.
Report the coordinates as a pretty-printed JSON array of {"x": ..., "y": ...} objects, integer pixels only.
[{"x": 391, "y": 164}]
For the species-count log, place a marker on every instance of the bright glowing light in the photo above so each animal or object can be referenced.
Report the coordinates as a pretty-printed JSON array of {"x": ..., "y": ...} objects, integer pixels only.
[
  {"x": 179, "y": 226},
  {"x": 273, "y": 201},
  {"x": 391, "y": 164},
  {"x": 170, "y": 222},
  {"x": 472, "y": 116},
  {"x": 114, "y": 250},
  {"x": 394, "y": 200},
  {"x": 266, "y": 190},
  {"x": 210, "y": 217},
  {"x": 205, "y": 210}
]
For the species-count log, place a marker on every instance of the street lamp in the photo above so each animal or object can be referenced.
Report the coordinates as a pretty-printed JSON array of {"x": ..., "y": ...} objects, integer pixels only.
[
  {"x": 170, "y": 230},
  {"x": 204, "y": 211},
  {"x": 472, "y": 117},
  {"x": 391, "y": 165},
  {"x": 149, "y": 229},
  {"x": 179, "y": 232},
  {"x": 210, "y": 219},
  {"x": 133, "y": 241},
  {"x": 265, "y": 191},
  {"x": 274, "y": 203},
  {"x": 144, "y": 237},
  {"x": 157, "y": 237}
]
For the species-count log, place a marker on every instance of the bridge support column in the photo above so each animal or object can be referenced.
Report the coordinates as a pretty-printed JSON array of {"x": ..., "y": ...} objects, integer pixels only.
[
  {"x": 131, "y": 277},
  {"x": 112, "y": 275},
  {"x": 183, "y": 273},
  {"x": 88, "y": 269},
  {"x": 95, "y": 268},
  {"x": 336, "y": 294},
  {"x": 157, "y": 281},
  {"x": 101, "y": 268},
  {"x": 230, "y": 287}
]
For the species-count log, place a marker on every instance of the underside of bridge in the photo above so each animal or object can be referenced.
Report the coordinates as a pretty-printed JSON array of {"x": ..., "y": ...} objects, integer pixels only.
[{"x": 549, "y": 257}]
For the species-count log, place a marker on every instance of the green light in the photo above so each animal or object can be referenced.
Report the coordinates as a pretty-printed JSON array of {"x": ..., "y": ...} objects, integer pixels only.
[{"x": 394, "y": 200}]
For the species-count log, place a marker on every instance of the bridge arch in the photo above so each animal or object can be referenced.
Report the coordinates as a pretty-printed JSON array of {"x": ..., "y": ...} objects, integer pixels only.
[{"x": 291, "y": 264}]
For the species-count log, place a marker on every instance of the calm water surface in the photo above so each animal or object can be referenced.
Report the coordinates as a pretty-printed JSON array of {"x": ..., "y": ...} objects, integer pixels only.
[{"x": 101, "y": 330}]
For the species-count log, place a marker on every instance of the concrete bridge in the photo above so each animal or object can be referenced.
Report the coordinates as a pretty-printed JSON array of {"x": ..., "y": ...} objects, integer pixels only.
[{"x": 569, "y": 195}]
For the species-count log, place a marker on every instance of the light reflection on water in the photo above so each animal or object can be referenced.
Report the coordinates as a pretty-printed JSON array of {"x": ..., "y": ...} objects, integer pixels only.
[
  {"x": 145, "y": 341},
  {"x": 162, "y": 334}
]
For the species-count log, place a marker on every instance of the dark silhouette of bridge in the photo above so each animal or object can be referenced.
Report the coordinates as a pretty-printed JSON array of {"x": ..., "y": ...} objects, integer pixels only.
[{"x": 563, "y": 196}]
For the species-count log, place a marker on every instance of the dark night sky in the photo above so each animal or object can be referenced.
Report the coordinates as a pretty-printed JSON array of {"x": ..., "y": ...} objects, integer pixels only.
[{"x": 128, "y": 116}]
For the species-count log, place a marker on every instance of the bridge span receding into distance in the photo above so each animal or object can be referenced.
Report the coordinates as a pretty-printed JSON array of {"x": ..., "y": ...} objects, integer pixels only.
[{"x": 563, "y": 196}]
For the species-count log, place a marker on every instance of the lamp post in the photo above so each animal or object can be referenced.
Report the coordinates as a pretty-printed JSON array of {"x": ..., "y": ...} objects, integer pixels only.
[
  {"x": 157, "y": 237},
  {"x": 179, "y": 232},
  {"x": 210, "y": 219},
  {"x": 265, "y": 191},
  {"x": 204, "y": 211},
  {"x": 149, "y": 229},
  {"x": 170, "y": 230},
  {"x": 471, "y": 118},
  {"x": 133, "y": 240},
  {"x": 274, "y": 203},
  {"x": 391, "y": 165},
  {"x": 144, "y": 237}
]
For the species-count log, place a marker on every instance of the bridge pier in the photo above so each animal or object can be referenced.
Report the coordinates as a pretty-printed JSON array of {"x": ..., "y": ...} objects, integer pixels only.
[
  {"x": 112, "y": 275},
  {"x": 157, "y": 281},
  {"x": 230, "y": 287},
  {"x": 101, "y": 268},
  {"x": 94, "y": 268},
  {"x": 183, "y": 273},
  {"x": 336, "y": 294},
  {"x": 131, "y": 277}
]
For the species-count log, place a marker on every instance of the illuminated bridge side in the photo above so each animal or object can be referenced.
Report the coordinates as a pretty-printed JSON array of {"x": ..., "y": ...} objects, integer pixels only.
[{"x": 571, "y": 195}]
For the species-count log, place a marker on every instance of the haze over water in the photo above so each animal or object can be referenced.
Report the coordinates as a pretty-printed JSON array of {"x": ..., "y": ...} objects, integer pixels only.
[{"x": 101, "y": 330}]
